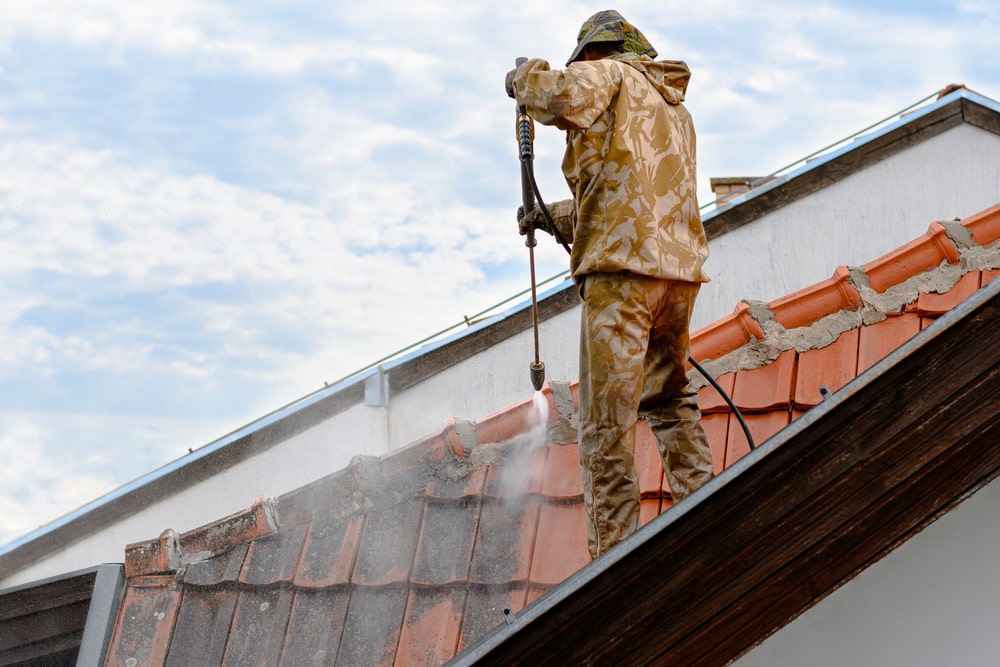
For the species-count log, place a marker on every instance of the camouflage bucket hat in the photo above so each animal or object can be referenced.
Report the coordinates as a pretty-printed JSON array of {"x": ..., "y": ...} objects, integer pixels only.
[{"x": 610, "y": 26}]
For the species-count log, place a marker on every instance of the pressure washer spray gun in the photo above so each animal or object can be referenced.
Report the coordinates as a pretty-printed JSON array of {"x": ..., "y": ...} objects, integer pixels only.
[{"x": 525, "y": 135}]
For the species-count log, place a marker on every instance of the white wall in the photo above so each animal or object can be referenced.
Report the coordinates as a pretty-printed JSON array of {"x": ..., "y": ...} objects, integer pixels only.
[{"x": 933, "y": 602}]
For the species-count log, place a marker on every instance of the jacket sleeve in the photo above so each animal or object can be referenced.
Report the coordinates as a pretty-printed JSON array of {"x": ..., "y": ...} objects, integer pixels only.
[
  {"x": 570, "y": 99},
  {"x": 564, "y": 215}
]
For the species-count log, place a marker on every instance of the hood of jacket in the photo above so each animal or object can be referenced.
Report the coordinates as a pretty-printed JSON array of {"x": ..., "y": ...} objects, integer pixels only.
[{"x": 669, "y": 77}]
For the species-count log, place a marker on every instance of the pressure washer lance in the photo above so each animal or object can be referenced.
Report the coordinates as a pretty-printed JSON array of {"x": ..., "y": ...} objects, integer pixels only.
[{"x": 525, "y": 135}]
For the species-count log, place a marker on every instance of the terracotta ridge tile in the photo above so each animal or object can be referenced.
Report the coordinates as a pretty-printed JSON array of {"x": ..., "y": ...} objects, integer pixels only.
[
  {"x": 984, "y": 225},
  {"x": 509, "y": 422},
  {"x": 215, "y": 538},
  {"x": 156, "y": 556},
  {"x": 805, "y": 306},
  {"x": 725, "y": 335},
  {"x": 917, "y": 256}
]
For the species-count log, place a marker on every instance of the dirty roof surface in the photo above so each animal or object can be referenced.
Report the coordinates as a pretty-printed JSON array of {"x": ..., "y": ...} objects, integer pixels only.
[{"x": 413, "y": 557}]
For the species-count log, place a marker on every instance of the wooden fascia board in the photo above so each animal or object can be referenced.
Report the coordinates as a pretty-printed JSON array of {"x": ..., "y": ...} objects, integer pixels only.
[{"x": 792, "y": 521}]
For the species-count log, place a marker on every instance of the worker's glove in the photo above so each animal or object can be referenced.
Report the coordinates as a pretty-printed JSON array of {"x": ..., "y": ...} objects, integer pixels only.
[
  {"x": 534, "y": 220},
  {"x": 508, "y": 83}
]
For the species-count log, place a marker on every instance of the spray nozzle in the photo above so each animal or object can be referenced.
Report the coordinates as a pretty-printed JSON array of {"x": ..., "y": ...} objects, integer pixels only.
[{"x": 537, "y": 370}]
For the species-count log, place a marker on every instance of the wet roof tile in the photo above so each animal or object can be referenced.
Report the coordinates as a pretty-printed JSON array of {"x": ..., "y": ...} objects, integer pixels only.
[
  {"x": 202, "y": 630},
  {"x": 505, "y": 541},
  {"x": 217, "y": 569},
  {"x": 147, "y": 616},
  {"x": 273, "y": 559},
  {"x": 387, "y": 546},
  {"x": 561, "y": 546},
  {"x": 484, "y": 610},
  {"x": 329, "y": 553},
  {"x": 315, "y": 626},
  {"x": 372, "y": 625},
  {"x": 257, "y": 634},
  {"x": 431, "y": 626},
  {"x": 447, "y": 536},
  {"x": 562, "y": 473},
  {"x": 413, "y": 557}
]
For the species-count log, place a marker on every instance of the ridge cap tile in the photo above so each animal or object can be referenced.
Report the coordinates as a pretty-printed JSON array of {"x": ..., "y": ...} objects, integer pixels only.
[
  {"x": 812, "y": 303},
  {"x": 459, "y": 484},
  {"x": 259, "y": 520},
  {"x": 153, "y": 556},
  {"x": 726, "y": 334},
  {"x": 923, "y": 253},
  {"x": 984, "y": 225}
]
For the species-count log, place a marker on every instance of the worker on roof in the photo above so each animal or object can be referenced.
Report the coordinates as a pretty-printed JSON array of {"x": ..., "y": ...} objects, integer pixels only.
[{"x": 638, "y": 247}]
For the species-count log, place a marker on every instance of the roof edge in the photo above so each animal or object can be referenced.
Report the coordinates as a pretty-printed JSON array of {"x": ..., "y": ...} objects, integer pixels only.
[{"x": 961, "y": 105}]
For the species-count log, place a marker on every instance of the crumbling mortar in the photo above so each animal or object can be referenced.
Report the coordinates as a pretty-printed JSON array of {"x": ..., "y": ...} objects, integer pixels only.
[
  {"x": 876, "y": 307},
  {"x": 958, "y": 233}
]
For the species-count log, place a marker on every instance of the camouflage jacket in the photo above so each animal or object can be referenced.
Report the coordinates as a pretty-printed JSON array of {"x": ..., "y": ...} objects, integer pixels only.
[{"x": 629, "y": 162}]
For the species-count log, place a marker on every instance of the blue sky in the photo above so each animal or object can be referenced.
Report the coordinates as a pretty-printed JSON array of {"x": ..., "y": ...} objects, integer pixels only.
[{"x": 210, "y": 208}]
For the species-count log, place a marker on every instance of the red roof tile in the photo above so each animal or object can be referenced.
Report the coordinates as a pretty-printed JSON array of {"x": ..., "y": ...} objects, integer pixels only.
[
  {"x": 832, "y": 367},
  {"x": 413, "y": 557},
  {"x": 878, "y": 340},
  {"x": 766, "y": 388}
]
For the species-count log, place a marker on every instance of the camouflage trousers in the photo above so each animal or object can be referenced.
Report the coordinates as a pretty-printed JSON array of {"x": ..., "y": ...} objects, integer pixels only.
[{"x": 634, "y": 347}]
